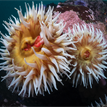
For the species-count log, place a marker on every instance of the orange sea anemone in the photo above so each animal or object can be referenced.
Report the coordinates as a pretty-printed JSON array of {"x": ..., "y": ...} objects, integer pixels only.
[
  {"x": 90, "y": 56},
  {"x": 35, "y": 51}
]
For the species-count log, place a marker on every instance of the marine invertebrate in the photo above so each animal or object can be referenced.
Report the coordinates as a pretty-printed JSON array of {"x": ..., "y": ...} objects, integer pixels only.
[
  {"x": 35, "y": 51},
  {"x": 90, "y": 56},
  {"x": 101, "y": 104}
]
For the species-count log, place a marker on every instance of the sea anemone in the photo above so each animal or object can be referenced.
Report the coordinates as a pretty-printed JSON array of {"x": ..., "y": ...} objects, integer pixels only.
[
  {"x": 101, "y": 104},
  {"x": 35, "y": 51},
  {"x": 90, "y": 56}
]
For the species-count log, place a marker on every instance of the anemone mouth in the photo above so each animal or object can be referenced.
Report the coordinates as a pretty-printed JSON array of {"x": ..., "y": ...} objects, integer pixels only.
[
  {"x": 87, "y": 51},
  {"x": 28, "y": 42},
  {"x": 85, "y": 54},
  {"x": 27, "y": 38}
]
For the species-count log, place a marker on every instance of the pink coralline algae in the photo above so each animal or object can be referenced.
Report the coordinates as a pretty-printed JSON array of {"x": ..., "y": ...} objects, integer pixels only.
[{"x": 70, "y": 18}]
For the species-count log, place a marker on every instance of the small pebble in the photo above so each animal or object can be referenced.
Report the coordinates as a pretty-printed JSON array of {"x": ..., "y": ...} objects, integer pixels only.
[
  {"x": 5, "y": 100},
  {"x": 17, "y": 102}
]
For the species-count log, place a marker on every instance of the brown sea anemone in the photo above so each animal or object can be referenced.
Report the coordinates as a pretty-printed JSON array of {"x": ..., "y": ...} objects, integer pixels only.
[
  {"x": 35, "y": 51},
  {"x": 90, "y": 56}
]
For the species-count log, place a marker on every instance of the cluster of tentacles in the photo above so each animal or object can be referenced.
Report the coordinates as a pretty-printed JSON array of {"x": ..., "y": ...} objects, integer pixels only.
[{"x": 37, "y": 52}]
